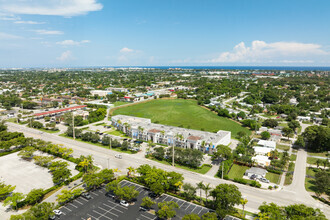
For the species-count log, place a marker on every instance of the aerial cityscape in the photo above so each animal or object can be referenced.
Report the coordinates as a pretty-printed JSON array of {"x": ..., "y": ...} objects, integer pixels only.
[{"x": 145, "y": 110}]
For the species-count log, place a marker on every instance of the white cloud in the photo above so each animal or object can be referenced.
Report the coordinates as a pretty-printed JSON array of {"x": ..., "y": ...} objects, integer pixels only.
[
  {"x": 277, "y": 52},
  {"x": 66, "y": 55},
  {"x": 72, "y": 42},
  {"x": 126, "y": 50},
  {"x": 8, "y": 17},
  {"x": 65, "y": 8},
  {"x": 5, "y": 36},
  {"x": 48, "y": 32},
  {"x": 28, "y": 22}
]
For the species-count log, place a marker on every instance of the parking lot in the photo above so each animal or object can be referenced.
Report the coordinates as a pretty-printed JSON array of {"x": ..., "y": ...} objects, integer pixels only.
[{"x": 102, "y": 207}]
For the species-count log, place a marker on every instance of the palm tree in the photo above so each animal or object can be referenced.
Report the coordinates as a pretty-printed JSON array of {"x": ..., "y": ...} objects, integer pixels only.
[
  {"x": 200, "y": 186},
  {"x": 163, "y": 135},
  {"x": 318, "y": 162},
  {"x": 207, "y": 188},
  {"x": 243, "y": 202},
  {"x": 84, "y": 164},
  {"x": 131, "y": 170},
  {"x": 203, "y": 145}
]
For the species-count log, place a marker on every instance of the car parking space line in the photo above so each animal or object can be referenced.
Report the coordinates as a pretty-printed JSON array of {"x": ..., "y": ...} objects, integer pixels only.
[
  {"x": 181, "y": 204},
  {"x": 188, "y": 206},
  {"x": 108, "y": 211},
  {"x": 78, "y": 202},
  {"x": 101, "y": 215},
  {"x": 112, "y": 207},
  {"x": 73, "y": 205},
  {"x": 147, "y": 217},
  {"x": 67, "y": 208},
  {"x": 92, "y": 216},
  {"x": 117, "y": 204},
  {"x": 83, "y": 199},
  {"x": 200, "y": 211},
  {"x": 95, "y": 194},
  {"x": 123, "y": 184},
  {"x": 194, "y": 208}
]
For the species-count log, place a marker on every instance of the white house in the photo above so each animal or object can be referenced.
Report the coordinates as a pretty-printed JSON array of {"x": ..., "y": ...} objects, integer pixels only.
[
  {"x": 262, "y": 150},
  {"x": 267, "y": 144},
  {"x": 259, "y": 172},
  {"x": 261, "y": 160}
]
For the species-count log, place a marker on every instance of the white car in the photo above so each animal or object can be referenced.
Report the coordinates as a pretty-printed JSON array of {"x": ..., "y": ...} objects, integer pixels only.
[
  {"x": 123, "y": 203},
  {"x": 118, "y": 156},
  {"x": 57, "y": 212}
]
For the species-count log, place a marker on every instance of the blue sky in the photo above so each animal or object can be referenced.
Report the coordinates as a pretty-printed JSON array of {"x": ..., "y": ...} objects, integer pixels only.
[{"x": 74, "y": 33}]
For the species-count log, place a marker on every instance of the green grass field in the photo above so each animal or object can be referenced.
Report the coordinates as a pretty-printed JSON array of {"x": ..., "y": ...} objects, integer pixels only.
[
  {"x": 273, "y": 177},
  {"x": 237, "y": 171},
  {"x": 119, "y": 103},
  {"x": 283, "y": 147},
  {"x": 181, "y": 113}
]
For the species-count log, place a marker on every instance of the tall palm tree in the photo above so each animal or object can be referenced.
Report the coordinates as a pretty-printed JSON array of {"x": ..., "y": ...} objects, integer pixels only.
[
  {"x": 207, "y": 189},
  {"x": 243, "y": 203},
  {"x": 200, "y": 186}
]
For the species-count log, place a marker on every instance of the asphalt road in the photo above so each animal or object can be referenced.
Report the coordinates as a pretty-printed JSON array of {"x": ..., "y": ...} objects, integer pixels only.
[{"x": 292, "y": 194}]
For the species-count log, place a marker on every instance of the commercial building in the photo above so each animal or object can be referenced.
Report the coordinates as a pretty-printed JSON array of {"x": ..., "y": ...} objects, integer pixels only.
[{"x": 143, "y": 129}]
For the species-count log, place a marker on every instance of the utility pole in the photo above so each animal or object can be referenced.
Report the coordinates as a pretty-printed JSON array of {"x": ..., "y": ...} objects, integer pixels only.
[{"x": 73, "y": 133}]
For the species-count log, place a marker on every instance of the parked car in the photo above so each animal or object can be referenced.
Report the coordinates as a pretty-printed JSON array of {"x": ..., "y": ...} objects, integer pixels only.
[
  {"x": 143, "y": 209},
  {"x": 264, "y": 180},
  {"x": 253, "y": 177},
  {"x": 52, "y": 217},
  {"x": 123, "y": 203},
  {"x": 118, "y": 156},
  {"x": 86, "y": 195},
  {"x": 57, "y": 212},
  {"x": 108, "y": 194}
]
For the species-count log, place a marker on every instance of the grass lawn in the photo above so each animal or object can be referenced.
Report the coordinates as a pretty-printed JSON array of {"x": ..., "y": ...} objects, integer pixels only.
[
  {"x": 100, "y": 145},
  {"x": 102, "y": 123},
  {"x": 13, "y": 120},
  {"x": 237, "y": 171},
  {"x": 321, "y": 154},
  {"x": 289, "y": 176},
  {"x": 117, "y": 133},
  {"x": 282, "y": 147},
  {"x": 181, "y": 113},
  {"x": 118, "y": 103},
  {"x": 312, "y": 160},
  {"x": 202, "y": 170},
  {"x": 273, "y": 177},
  {"x": 293, "y": 157},
  {"x": 49, "y": 131},
  {"x": 310, "y": 182}
]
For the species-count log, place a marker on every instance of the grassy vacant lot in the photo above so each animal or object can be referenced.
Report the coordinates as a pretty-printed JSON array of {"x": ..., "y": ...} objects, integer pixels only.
[
  {"x": 283, "y": 147},
  {"x": 293, "y": 157},
  {"x": 202, "y": 170},
  {"x": 273, "y": 177},
  {"x": 181, "y": 113},
  {"x": 118, "y": 103},
  {"x": 310, "y": 182},
  {"x": 237, "y": 171},
  {"x": 321, "y": 154}
]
